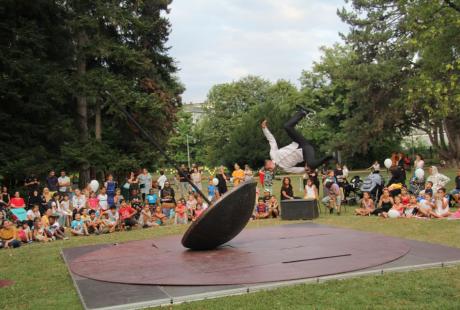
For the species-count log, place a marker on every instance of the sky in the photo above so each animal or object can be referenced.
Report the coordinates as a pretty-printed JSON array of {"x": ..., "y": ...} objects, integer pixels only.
[{"x": 220, "y": 41}]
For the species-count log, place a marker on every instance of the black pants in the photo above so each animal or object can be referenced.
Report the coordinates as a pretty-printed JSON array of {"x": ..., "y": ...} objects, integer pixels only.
[{"x": 307, "y": 148}]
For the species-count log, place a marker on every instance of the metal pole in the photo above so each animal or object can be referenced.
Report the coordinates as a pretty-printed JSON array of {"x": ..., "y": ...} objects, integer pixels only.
[
  {"x": 149, "y": 137},
  {"x": 188, "y": 153}
]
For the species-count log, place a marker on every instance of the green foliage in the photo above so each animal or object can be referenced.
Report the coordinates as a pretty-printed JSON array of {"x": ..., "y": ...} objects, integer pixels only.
[{"x": 56, "y": 53}]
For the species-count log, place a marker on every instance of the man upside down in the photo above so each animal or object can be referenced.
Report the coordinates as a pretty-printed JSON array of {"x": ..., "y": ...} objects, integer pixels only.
[{"x": 300, "y": 151}]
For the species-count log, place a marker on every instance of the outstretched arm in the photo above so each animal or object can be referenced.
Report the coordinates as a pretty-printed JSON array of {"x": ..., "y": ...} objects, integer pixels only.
[{"x": 269, "y": 136}]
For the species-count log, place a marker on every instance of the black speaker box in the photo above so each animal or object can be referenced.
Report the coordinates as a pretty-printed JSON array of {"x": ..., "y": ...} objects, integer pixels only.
[{"x": 299, "y": 209}]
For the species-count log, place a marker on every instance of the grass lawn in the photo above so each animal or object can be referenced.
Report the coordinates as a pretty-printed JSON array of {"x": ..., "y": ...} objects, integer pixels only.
[{"x": 42, "y": 281}]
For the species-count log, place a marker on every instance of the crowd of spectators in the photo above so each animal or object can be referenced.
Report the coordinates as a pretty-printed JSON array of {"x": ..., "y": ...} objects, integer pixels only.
[{"x": 56, "y": 208}]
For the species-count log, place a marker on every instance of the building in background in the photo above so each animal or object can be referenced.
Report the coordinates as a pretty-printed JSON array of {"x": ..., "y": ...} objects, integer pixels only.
[{"x": 196, "y": 109}]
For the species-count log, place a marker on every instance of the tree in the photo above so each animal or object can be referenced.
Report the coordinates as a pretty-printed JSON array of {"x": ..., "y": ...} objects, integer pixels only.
[
  {"x": 57, "y": 59},
  {"x": 421, "y": 40}
]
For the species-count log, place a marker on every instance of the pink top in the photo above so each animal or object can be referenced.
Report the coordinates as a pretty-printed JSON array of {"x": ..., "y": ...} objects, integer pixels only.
[{"x": 93, "y": 203}]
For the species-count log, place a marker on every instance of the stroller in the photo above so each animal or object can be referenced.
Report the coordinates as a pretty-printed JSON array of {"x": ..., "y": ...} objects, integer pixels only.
[
  {"x": 352, "y": 190},
  {"x": 373, "y": 184}
]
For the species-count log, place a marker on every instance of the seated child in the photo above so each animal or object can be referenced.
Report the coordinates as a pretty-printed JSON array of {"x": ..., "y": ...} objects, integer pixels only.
[
  {"x": 111, "y": 219},
  {"x": 412, "y": 208},
  {"x": 181, "y": 212},
  {"x": 311, "y": 192},
  {"x": 127, "y": 215},
  {"x": 396, "y": 211},
  {"x": 261, "y": 210},
  {"x": 145, "y": 219},
  {"x": 428, "y": 189},
  {"x": 93, "y": 224},
  {"x": 93, "y": 201},
  {"x": 158, "y": 216},
  {"x": 198, "y": 211},
  {"x": 56, "y": 230},
  {"x": 366, "y": 205},
  {"x": 24, "y": 232},
  {"x": 78, "y": 226},
  {"x": 441, "y": 204},
  {"x": 191, "y": 205},
  {"x": 425, "y": 205},
  {"x": 273, "y": 207},
  {"x": 152, "y": 198},
  {"x": 39, "y": 233}
]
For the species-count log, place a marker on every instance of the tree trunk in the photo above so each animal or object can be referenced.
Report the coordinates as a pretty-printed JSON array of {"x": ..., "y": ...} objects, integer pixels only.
[
  {"x": 452, "y": 127},
  {"x": 98, "y": 124},
  {"x": 82, "y": 111}
]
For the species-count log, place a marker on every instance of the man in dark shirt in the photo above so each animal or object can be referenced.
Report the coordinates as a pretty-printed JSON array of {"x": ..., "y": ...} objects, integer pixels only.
[
  {"x": 52, "y": 181},
  {"x": 32, "y": 184},
  {"x": 183, "y": 184}
]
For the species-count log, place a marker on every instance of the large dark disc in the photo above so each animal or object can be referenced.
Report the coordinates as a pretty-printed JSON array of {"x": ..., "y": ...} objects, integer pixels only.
[{"x": 224, "y": 220}]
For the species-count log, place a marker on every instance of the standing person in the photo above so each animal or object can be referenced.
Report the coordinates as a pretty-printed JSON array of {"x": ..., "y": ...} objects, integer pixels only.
[
  {"x": 419, "y": 163},
  {"x": 52, "y": 181},
  {"x": 287, "y": 192},
  {"x": 238, "y": 175},
  {"x": 133, "y": 182},
  {"x": 333, "y": 200},
  {"x": 438, "y": 179},
  {"x": 269, "y": 174},
  {"x": 183, "y": 184},
  {"x": 64, "y": 183},
  {"x": 145, "y": 182},
  {"x": 196, "y": 177},
  {"x": 313, "y": 176},
  {"x": 111, "y": 187},
  {"x": 103, "y": 200},
  {"x": 248, "y": 174},
  {"x": 455, "y": 193},
  {"x": 300, "y": 151},
  {"x": 32, "y": 184},
  {"x": 5, "y": 196},
  {"x": 162, "y": 179},
  {"x": 78, "y": 202},
  {"x": 222, "y": 186},
  {"x": 402, "y": 165}
]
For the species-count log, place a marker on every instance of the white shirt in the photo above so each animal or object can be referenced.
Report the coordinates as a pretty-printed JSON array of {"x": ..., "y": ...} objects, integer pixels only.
[
  {"x": 78, "y": 202},
  {"x": 66, "y": 180},
  {"x": 161, "y": 181},
  {"x": 286, "y": 157},
  {"x": 103, "y": 203}
]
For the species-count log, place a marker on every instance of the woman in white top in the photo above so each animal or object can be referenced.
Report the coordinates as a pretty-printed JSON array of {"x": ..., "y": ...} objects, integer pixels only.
[
  {"x": 419, "y": 162},
  {"x": 196, "y": 178},
  {"x": 311, "y": 192},
  {"x": 439, "y": 180}
]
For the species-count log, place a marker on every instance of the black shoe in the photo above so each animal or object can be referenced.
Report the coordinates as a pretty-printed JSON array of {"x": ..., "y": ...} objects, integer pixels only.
[{"x": 305, "y": 110}]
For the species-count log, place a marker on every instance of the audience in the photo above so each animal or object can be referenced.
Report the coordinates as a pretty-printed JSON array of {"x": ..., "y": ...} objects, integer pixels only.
[{"x": 58, "y": 210}]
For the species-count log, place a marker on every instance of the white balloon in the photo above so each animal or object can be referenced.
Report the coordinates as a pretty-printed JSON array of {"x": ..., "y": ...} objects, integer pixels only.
[
  {"x": 215, "y": 181},
  {"x": 419, "y": 173},
  {"x": 94, "y": 185},
  {"x": 388, "y": 163}
]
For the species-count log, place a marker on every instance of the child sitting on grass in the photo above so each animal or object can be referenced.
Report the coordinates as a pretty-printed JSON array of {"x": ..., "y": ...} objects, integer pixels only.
[
  {"x": 93, "y": 224},
  {"x": 412, "y": 208},
  {"x": 198, "y": 211},
  {"x": 366, "y": 205},
  {"x": 39, "y": 233},
  {"x": 261, "y": 210},
  {"x": 441, "y": 204},
  {"x": 159, "y": 216},
  {"x": 425, "y": 205},
  {"x": 395, "y": 211},
  {"x": 145, "y": 219},
  {"x": 24, "y": 232},
  {"x": 181, "y": 212},
  {"x": 78, "y": 226}
]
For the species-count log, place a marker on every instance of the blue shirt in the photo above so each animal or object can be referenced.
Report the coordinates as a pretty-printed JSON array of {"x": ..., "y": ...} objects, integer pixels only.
[
  {"x": 77, "y": 224},
  {"x": 152, "y": 199}
]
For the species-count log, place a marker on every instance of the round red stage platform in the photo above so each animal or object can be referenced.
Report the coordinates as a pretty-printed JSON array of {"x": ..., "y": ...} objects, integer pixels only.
[{"x": 280, "y": 253}]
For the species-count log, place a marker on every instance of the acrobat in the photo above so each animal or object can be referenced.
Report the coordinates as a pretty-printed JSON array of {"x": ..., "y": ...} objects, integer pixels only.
[{"x": 297, "y": 157}]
